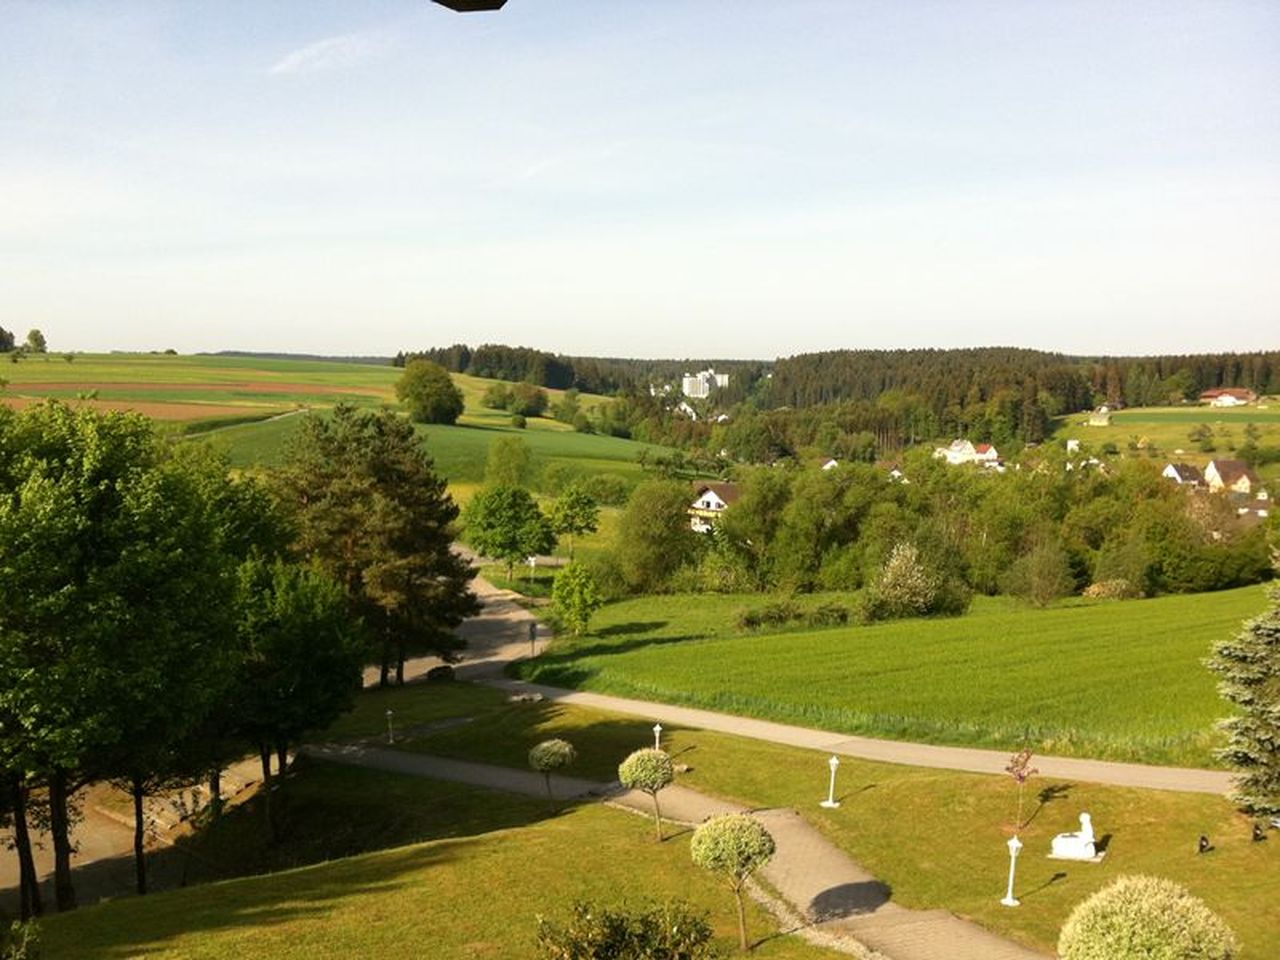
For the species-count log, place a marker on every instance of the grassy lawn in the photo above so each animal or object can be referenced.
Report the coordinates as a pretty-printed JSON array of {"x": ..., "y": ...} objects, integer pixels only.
[
  {"x": 1120, "y": 681},
  {"x": 1166, "y": 429},
  {"x": 936, "y": 837},
  {"x": 489, "y": 865}
]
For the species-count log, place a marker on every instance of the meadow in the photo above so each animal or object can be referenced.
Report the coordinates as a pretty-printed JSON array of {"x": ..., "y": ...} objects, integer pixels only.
[{"x": 1109, "y": 680}]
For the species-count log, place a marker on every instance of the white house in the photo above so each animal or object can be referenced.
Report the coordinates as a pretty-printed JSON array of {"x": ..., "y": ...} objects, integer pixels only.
[
  {"x": 711, "y": 500},
  {"x": 683, "y": 408},
  {"x": 962, "y": 451},
  {"x": 1233, "y": 476},
  {"x": 1228, "y": 397},
  {"x": 830, "y": 463},
  {"x": 1183, "y": 474}
]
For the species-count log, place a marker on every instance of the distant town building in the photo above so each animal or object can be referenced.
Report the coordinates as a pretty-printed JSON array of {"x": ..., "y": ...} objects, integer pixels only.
[
  {"x": 699, "y": 385},
  {"x": 1100, "y": 417},
  {"x": 963, "y": 451}
]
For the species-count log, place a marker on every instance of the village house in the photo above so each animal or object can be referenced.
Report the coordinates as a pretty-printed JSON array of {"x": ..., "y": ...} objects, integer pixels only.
[
  {"x": 1100, "y": 417},
  {"x": 963, "y": 451},
  {"x": 711, "y": 500},
  {"x": 1183, "y": 474},
  {"x": 829, "y": 463},
  {"x": 1228, "y": 397},
  {"x": 1231, "y": 476}
]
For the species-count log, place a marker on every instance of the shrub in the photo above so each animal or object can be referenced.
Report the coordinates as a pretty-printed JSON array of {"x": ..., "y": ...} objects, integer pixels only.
[
  {"x": 519, "y": 422},
  {"x": 648, "y": 770},
  {"x": 734, "y": 846},
  {"x": 906, "y": 587},
  {"x": 670, "y": 931},
  {"x": 20, "y": 941},
  {"x": 607, "y": 488},
  {"x": 497, "y": 396},
  {"x": 575, "y": 597},
  {"x": 549, "y": 756},
  {"x": 1139, "y": 917},
  {"x": 528, "y": 400},
  {"x": 827, "y": 615},
  {"x": 776, "y": 614},
  {"x": 1117, "y": 589}
]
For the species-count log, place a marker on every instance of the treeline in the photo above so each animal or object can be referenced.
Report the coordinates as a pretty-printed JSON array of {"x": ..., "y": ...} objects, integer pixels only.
[
  {"x": 164, "y": 617},
  {"x": 1041, "y": 532},
  {"x": 1002, "y": 394},
  {"x": 600, "y": 375}
]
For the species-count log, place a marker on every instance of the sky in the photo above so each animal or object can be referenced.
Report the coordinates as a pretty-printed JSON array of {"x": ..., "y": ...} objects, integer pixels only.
[{"x": 668, "y": 178}]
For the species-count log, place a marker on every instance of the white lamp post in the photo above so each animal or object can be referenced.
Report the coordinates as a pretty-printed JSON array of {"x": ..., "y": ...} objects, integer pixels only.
[
  {"x": 1015, "y": 846},
  {"x": 391, "y": 736},
  {"x": 831, "y": 802},
  {"x": 657, "y": 736}
]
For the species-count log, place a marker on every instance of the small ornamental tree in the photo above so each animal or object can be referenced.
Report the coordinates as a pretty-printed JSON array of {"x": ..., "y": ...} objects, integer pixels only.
[
  {"x": 550, "y": 756},
  {"x": 671, "y": 931},
  {"x": 648, "y": 770},
  {"x": 426, "y": 389},
  {"x": 1021, "y": 770},
  {"x": 734, "y": 846},
  {"x": 905, "y": 587},
  {"x": 575, "y": 597},
  {"x": 1249, "y": 667},
  {"x": 575, "y": 513},
  {"x": 1139, "y": 917}
]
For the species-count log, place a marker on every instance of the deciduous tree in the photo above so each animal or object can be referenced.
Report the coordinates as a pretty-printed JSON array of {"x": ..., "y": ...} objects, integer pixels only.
[
  {"x": 649, "y": 771},
  {"x": 734, "y": 846},
  {"x": 429, "y": 393},
  {"x": 575, "y": 597},
  {"x": 505, "y": 523},
  {"x": 575, "y": 512}
]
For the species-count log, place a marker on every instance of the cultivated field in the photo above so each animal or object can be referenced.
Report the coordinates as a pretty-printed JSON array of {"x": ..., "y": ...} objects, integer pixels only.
[
  {"x": 245, "y": 406},
  {"x": 1119, "y": 680}
]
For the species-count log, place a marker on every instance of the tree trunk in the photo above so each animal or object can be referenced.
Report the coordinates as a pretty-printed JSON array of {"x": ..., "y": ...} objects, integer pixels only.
[
  {"x": 264, "y": 752},
  {"x": 282, "y": 756},
  {"x": 657, "y": 817},
  {"x": 400, "y": 658},
  {"x": 215, "y": 792},
  {"x": 384, "y": 672},
  {"x": 742, "y": 919},
  {"x": 29, "y": 901},
  {"x": 64, "y": 892},
  {"x": 139, "y": 836}
]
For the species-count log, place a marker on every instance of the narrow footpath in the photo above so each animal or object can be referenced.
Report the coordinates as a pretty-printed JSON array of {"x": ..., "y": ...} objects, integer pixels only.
[{"x": 843, "y": 907}]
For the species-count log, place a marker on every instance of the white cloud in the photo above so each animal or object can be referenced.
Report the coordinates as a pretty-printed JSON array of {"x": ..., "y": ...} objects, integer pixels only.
[{"x": 329, "y": 54}]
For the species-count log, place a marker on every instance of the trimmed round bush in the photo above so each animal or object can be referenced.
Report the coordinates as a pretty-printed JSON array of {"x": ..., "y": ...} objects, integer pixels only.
[
  {"x": 1145, "y": 918},
  {"x": 551, "y": 755},
  {"x": 734, "y": 846},
  {"x": 648, "y": 770}
]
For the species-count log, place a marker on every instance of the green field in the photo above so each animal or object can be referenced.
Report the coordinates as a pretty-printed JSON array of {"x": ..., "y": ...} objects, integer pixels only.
[
  {"x": 935, "y": 837},
  {"x": 242, "y": 406},
  {"x": 489, "y": 865},
  {"x": 1118, "y": 681}
]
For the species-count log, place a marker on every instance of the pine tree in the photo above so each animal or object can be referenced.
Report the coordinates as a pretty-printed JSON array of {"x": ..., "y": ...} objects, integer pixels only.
[{"x": 1249, "y": 665}]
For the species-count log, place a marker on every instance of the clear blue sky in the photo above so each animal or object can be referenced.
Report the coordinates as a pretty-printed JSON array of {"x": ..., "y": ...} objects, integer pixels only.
[{"x": 668, "y": 178}]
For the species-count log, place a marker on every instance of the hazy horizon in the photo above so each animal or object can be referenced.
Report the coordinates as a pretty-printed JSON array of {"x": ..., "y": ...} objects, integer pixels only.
[{"x": 729, "y": 178}]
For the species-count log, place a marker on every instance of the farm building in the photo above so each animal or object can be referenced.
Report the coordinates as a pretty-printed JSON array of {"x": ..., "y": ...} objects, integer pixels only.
[
  {"x": 711, "y": 500},
  {"x": 1228, "y": 397}
]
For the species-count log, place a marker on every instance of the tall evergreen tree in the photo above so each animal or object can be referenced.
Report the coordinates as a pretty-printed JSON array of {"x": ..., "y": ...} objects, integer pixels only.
[{"x": 1249, "y": 667}]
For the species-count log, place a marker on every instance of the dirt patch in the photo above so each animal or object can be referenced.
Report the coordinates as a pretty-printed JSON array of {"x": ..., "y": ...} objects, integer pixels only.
[
  {"x": 157, "y": 411},
  {"x": 248, "y": 386}
]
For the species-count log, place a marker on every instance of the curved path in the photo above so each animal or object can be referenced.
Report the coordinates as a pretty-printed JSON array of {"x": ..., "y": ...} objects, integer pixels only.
[
  {"x": 499, "y": 635},
  {"x": 843, "y": 907}
]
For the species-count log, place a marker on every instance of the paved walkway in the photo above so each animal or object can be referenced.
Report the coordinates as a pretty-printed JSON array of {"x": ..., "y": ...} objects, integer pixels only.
[
  {"x": 499, "y": 636},
  {"x": 844, "y": 907}
]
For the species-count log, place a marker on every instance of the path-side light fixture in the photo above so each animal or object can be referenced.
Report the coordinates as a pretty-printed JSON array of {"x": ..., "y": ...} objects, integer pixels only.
[
  {"x": 1015, "y": 847},
  {"x": 831, "y": 802},
  {"x": 657, "y": 736},
  {"x": 391, "y": 733}
]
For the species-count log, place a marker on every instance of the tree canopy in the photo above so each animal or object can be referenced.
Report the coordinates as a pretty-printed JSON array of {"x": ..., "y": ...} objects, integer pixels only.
[{"x": 429, "y": 393}]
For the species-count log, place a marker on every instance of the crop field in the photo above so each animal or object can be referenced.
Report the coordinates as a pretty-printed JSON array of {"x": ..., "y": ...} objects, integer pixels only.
[
  {"x": 1117, "y": 681},
  {"x": 475, "y": 892},
  {"x": 244, "y": 405}
]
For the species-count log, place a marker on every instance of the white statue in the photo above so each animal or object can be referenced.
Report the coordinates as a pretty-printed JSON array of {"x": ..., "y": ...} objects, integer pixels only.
[{"x": 1076, "y": 846}]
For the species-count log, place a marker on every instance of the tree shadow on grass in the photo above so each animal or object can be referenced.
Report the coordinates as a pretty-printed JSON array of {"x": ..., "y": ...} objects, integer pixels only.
[
  {"x": 635, "y": 626},
  {"x": 1055, "y": 791}
]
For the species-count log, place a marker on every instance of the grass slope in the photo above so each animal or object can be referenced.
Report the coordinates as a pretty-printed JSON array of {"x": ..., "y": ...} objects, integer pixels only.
[
  {"x": 936, "y": 838},
  {"x": 473, "y": 895},
  {"x": 1120, "y": 681}
]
